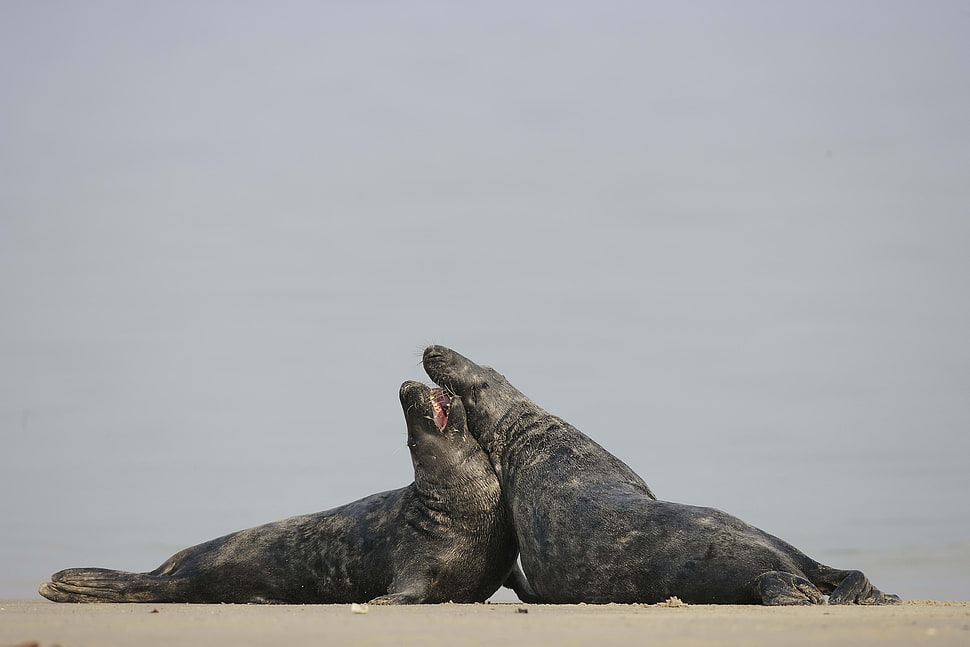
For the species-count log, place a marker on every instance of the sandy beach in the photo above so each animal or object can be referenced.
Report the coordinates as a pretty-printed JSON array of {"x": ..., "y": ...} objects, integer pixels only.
[{"x": 42, "y": 623}]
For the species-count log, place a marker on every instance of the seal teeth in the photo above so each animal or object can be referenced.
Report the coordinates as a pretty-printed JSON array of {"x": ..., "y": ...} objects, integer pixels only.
[{"x": 441, "y": 407}]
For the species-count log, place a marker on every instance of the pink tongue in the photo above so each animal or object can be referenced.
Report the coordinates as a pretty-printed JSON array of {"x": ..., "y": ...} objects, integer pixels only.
[
  {"x": 440, "y": 418},
  {"x": 440, "y": 403}
]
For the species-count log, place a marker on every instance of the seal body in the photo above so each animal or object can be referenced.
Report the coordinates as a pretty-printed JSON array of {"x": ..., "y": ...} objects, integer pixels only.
[
  {"x": 445, "y": 537},
  {"x": 590, "y": 530}
]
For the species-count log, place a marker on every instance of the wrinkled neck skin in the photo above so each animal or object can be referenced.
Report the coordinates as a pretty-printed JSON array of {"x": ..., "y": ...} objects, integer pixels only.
[
  {"x": 503, "y": 420},
  {"x": 461, "y": 481}
]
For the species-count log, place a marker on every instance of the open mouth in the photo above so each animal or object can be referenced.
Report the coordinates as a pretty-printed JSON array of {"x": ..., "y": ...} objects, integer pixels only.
[{"x": 441, "y": 407}]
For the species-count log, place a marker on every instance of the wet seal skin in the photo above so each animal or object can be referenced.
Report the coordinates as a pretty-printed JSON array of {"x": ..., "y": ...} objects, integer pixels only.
[
  {"x": 443, "y": 538},
  {"x": 590, "y": 530}
]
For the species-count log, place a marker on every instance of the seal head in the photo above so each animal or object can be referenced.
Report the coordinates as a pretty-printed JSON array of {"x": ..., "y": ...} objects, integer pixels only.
[{"x": 438, "y": 437}]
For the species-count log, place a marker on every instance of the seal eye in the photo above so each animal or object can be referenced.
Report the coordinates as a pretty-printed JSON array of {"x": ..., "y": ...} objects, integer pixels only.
[{"x": 441, "y": 407}]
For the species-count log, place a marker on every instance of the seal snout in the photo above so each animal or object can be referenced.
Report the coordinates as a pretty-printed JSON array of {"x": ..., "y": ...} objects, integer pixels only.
[
  {"x": 408, "y": 391},
  {"x": 434, "y": 404},
  {"x": 448, "y": 369},
  {"x": 436, "y": 360},
  {"x": 435, "y": 353}
]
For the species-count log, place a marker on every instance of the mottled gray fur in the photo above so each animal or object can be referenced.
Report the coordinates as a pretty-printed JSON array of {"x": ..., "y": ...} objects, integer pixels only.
[
  {"x": 444, "y": 537},
  {"x": 590, "y": 530}
]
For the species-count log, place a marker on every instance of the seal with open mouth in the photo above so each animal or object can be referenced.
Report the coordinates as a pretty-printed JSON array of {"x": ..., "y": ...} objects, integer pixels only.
[
  {"x": 590, "y": 530},
  {"x": 445, "y": 537}
]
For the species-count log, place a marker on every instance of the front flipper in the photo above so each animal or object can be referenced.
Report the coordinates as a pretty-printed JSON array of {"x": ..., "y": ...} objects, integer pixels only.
[
  {"x": 778, "y": 588},
  {"x": 403, "y": 597},
  {"x": 518, "y": 582}
]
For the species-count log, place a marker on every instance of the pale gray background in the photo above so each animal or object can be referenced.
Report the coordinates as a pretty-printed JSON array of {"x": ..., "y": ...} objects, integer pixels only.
[{"x": 728, "y": 240}]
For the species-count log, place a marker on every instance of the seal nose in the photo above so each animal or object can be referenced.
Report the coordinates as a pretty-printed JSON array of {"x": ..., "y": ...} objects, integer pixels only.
[
  {"x": 435, "y": 353},
  {"x": 406, "y": 389},
  {"x": 440, "y": 363}
]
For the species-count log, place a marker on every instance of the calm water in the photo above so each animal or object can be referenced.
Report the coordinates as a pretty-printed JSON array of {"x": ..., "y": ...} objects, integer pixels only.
[{"x": 225, "y": 240}]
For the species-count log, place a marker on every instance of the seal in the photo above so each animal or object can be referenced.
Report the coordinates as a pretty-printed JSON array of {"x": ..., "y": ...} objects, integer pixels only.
[
  {"x": 590, "y": 530},
  {"x": 445, "y": 537}
]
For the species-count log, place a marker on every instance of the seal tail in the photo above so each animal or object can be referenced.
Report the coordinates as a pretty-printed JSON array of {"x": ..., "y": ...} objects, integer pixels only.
[{"x": 105, "y": 585}]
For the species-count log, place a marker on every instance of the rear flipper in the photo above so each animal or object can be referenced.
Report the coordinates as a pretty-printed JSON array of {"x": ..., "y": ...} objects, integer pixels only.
[
  {"x": 105, "y": 585},
  {"x": 855, "y": 588},
  {"x": 779, "y": 588}
]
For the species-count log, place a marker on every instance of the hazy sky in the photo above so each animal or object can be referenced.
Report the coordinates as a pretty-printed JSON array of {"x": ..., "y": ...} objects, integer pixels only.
[{"x": 727, "y": 240}]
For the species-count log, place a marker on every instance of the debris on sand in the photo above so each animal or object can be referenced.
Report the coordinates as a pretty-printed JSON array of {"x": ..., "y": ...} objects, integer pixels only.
[{"x": 673, "y": 601}]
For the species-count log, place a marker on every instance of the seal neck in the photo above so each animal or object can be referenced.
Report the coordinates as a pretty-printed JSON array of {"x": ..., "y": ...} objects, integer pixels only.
[
  {"x": 471, "y": 483},
  {"x": 502, "y": 438}
]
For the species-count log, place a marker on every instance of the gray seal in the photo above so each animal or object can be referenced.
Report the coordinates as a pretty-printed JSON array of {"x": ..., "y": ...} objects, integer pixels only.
[
  {"x": 590, "y": 530},
  {"x": 445, "y": 537}
]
